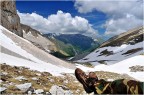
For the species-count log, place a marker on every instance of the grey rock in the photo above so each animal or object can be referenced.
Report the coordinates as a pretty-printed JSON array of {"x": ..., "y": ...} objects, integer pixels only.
[
  {"x": 20, "y": 78},
  {"x": 57, "y": 90},
  {"x": 9, "y": 17},
  {"x": 48, "y": 93},
  {"x": 3, "y": 73},
  {"x": 51, "y": 80},
  {"x": 137, "y": 68},
  {"x": 2, "y": 89},
  {"x": 29, "y": 92},
  {"x": 65, "y": 82},
  {"x": 1, "y": 81},
  {"x": 39, "y": 91},
  {"x": 34, "y": 78},
  {"x": 24, "y": 87}
]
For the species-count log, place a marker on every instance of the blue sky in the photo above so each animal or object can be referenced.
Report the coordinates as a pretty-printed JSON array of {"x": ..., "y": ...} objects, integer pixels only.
[
  {"x": 105, "y": 18},
  {"x": 46, "y": 8}
]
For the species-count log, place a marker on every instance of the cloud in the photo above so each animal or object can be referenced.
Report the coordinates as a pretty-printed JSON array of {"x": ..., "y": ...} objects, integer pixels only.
[
  {"x": 58, "y": 23},
  {"x": 123, "y": 14},
  {"x": 120, "y": 25}
]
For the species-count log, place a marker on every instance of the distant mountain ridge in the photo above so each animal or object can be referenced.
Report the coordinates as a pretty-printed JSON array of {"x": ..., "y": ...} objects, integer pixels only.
[
  {"x": 83, "y": 42},
  {"x": 77, "y": 43}
]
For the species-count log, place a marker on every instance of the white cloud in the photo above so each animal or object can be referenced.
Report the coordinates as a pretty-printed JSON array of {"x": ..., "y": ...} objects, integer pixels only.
[
  {"x": 123, "y": 14},
  {"x": 58, "y": 23},
  {"x": 120, "y": 25}
]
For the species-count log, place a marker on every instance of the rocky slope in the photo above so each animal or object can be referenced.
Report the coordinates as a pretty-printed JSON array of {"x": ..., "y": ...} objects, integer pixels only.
[
  {"x": 21, "y": 80},
  {"x": 37, "y": 39},
  {"x": 10, "y": 18},
  {"x": 131, "y": 37},
  {"x": 118, "y": 48},
  {"x": 50, "y": 45},
  {"x": 19, "y": 51}
]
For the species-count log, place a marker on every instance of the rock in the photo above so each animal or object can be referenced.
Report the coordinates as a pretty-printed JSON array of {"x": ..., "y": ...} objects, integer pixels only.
[
  {"x": 38, "y": 74},
  {"x": 20, "y": 78},
  {"x": 34, "y": 78},
  {"x": 1, "y": 73},
  {"x": 137, "y": 68},
  {"x": 11, "y": 83},
  {"x": 1, "y": 81},
  {"x": 39, "y": 91},
  {"x": 4, "y": 73},
  {"x": 57, "y": 90},
  {"x": 2, "y": 89},
  {"x": 28, "y": 29},
  {"x": 24, "y": 87},
  {"x": 77, "y": 91},
  {"x": 76, "y": 81},
  {"x": 51, "y": 80},
  {"x": 64, "y": 87},
  {"x": 9, "y": 17},
  {"x": 48, "y": 93},
  {"x": 110, "y": 79},
  {"x": 65, "y": 82},
  {"x": 29, "y": 92},
  {"x": 6, "y": 85}
]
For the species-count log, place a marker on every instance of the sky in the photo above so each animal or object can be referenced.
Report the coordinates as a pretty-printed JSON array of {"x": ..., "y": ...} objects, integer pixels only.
[{"x": 93, "y": 18}]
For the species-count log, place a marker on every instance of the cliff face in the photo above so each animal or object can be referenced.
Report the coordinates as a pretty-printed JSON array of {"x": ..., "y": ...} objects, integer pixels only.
[{"x": 9, "y": 17}]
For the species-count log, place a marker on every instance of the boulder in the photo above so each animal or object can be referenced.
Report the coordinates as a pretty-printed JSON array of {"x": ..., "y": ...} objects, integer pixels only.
[
  {"x": 2, "y": 89},
  {"x": 20, "y": 78},
  {"x": 39, "y": 91},
  {"x": 58, "y": 90},
  {"x": 35, "y": 78},
  {"x": 24, "y": 87}
]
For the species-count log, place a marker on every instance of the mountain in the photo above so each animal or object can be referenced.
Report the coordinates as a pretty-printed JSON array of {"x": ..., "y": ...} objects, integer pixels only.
[
  {"x": 78, "y": 40},
  {"x": 37, "y": 39},
  {"x": 131, "y": 37},
  {"x": 76, "y": 43},
  {"x": 117, "y": 48},
  {"x": 17, "y": 51},
  {"x": 52, "y": 46}
]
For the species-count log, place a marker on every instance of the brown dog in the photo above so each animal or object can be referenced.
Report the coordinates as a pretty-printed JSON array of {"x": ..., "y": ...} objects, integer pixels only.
[{"x": 122, "y": 86}]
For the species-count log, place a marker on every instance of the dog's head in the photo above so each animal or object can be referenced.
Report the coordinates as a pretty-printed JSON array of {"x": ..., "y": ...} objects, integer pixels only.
[{"x": 86, "y": 80}]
